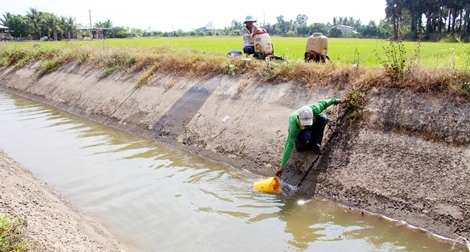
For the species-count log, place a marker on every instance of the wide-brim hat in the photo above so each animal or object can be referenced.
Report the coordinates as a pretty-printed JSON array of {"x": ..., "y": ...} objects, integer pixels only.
[{"x": 250, "y": 19}]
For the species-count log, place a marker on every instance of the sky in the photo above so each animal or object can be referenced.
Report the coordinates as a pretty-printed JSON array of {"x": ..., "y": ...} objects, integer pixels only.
[{"x": 188, "y": 15}]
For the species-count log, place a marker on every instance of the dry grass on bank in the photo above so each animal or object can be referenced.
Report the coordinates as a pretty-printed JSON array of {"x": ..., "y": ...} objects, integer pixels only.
[{"x": 396, "y": 71}]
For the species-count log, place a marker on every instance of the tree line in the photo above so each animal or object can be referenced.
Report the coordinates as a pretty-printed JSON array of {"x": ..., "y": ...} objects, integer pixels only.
[
  {"x": 421, "y": 19},
  {"x": 404, "y": 19}
]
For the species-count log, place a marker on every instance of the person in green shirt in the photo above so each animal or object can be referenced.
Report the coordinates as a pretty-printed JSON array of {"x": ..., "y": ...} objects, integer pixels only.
[{"x": 306, "y": 127}]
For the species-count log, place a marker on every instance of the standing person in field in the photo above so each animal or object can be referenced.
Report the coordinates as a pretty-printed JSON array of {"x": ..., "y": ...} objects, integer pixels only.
[
  {"x": 306, "y": 128},
  {"x": 247, "y": 33}
]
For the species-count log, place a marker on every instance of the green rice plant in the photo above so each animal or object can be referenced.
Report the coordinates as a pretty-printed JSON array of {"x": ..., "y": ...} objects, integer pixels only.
[
  {"x": 357, "y": 59},
  {"x": 12, "y": 235},
  {"x": 415, "y": 58},
  {"x": 466, "y": 50},
  {"x": 339, "y": 49},
  {"x": 452, "y": 57},
  {"x": 342, "y": 50}
]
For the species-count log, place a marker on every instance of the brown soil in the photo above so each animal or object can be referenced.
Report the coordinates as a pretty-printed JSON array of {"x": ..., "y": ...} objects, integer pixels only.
[{"x": 404, "y": 155}]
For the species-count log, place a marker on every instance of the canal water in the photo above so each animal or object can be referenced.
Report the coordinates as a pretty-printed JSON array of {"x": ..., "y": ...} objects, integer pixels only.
[{"x": 157, "y": 198}]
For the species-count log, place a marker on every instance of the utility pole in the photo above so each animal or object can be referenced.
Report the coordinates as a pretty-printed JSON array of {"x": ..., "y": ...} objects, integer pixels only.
[
  {"x": 76, "y": 26},
  {"x": 264, "y": 18},
  {"x": 91, "y": 27}
]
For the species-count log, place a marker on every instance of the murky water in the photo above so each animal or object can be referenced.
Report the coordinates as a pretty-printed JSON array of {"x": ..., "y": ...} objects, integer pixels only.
[{"x": 156, "y": 198}]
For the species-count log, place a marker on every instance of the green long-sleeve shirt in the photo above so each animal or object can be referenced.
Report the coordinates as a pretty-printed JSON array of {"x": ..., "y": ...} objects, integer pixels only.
[{"x": 294, "y": 127}]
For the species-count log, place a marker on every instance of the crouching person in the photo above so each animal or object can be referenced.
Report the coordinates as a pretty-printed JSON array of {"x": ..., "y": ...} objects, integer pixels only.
[
  {"x": 306, "y": 128},
  {"x": 248, "y": 32}
]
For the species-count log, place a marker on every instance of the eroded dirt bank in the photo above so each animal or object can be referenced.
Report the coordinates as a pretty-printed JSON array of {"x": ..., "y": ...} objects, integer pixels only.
[
  {"x": 53, "y": 224},
  {"x": 404, "y": 155}
]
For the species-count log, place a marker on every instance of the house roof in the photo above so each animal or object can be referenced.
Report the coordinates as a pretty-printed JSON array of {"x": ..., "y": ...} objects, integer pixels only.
[
  {"x": 205, "y": 28},
  {"x": 346, "y": 26}
]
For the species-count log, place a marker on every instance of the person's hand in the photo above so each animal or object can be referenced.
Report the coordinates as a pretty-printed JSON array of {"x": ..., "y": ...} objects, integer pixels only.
[
  {"x": 279, "y": 172},
  {"x": 343, "y": 102}
]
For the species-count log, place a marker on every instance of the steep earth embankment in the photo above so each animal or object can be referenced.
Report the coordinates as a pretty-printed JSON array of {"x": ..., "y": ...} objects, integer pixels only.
[
  {"x": 404, "y": 155},
  {"x": 52, "y": 223}
]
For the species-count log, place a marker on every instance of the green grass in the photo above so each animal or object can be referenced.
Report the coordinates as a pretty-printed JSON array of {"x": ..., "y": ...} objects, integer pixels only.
[
  {"x": 363, "y": 52},
  {"x": 355, "y": 63}
]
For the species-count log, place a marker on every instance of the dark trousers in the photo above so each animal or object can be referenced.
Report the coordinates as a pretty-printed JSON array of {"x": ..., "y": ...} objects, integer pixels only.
[
  {"x": 312, "y": 135},
  {"x": 249, "y": 49}
]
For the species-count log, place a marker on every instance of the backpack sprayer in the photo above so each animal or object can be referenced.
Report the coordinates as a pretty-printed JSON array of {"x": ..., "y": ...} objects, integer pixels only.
[
  {"x": 264, "y": 49},
  {"x": 263, "y": 46},
  {"x": 317, "y": 48}
]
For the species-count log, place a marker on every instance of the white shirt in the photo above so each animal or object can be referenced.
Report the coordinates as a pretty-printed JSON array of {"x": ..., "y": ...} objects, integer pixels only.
[{"x": 248, "y": 35}]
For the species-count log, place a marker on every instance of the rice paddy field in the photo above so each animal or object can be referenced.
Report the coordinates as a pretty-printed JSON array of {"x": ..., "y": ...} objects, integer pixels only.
[{"x": 362, "y": 52}]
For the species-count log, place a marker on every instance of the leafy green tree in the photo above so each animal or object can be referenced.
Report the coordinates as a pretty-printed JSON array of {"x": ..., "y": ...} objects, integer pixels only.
[
  {"x": 119, "y": 32},
  {"x": 134, "y": 32},
  {"x": 236, "y": 25},
  {"x": 236, "y": 33},
  {"x": 301, "y": 20},
  {"x": 300, "y": 25},
  {"x": 19, "y": 25},
  {"x": 179, "y": 33},
  {"x": 284, "y": 26},
  {"x": 317, "y": 27},
  {"x": 373, "y": 30},
  {"x": 335, "y": 33}
]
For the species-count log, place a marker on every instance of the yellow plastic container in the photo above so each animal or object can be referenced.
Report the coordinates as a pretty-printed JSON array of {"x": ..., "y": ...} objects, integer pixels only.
[{"x": 270, "y": 185}]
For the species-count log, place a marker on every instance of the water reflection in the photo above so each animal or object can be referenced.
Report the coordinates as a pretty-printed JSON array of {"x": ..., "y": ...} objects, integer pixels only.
[{"x": 157, "y": 198}]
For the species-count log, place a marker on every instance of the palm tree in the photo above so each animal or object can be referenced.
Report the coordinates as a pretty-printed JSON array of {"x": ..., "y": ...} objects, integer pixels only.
[
  {"x": 104, "y": 26},
  {"x": 51, "y": 23},
  {"x": 7, "y": 16},
  {"x": 67, "y": 26},
  {"x": 36, "y": 17}
]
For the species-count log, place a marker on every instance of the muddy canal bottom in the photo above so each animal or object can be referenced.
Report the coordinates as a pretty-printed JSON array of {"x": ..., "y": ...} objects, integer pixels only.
[{"x": 155, "y": 198}]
